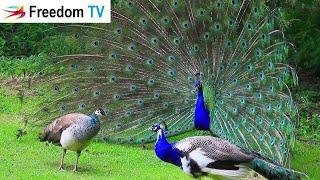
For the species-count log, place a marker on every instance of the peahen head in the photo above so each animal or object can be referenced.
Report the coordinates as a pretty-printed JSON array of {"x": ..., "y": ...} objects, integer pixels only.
[{"x": 100, "y": 112}]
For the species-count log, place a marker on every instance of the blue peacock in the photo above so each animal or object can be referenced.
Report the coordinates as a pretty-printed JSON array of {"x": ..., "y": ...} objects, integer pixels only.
[
  {"x": 209, "y": 65},
  {"x": 206, "y": 156}
]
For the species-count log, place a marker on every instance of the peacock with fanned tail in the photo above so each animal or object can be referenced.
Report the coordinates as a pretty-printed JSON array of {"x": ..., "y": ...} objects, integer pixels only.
[{"x": 210, "y": 65}]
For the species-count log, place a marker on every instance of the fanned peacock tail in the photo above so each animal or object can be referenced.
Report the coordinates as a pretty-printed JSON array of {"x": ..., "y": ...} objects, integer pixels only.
[{"x": 141, "y": 67}]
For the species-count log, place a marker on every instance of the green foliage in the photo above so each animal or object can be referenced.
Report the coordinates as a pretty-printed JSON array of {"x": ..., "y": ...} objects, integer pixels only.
[
  {"x": 309, "y": 127},
  {"x": 23, "y": 39},
  {"x": 24, "y": 48},
  {"x": 21, "y": 66},
  {"x": 2, "y": 42},
  {"x": 61, "y": 44},
  {"x": 302, "y": 29},
  {"x": 304, "y": 32},
  {"x": 308, "y": 98}
]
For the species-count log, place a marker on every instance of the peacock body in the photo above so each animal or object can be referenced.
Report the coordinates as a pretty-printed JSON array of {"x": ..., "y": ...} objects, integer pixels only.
[{"x": 211, "y": 65}]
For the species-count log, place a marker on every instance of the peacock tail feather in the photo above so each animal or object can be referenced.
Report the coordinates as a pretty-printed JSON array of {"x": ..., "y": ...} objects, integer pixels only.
[
  {"x": 275, "y": 171},
  {"x": 141, "y": 67}
]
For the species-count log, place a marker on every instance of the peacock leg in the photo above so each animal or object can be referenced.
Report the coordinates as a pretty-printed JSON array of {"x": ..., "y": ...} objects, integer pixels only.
[
  {"x": 61, "y": 168},
  {"x": 76, "y": 165}
]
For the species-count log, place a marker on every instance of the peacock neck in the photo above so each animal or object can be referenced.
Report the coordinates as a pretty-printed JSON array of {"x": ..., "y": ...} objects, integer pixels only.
[
  {"x": 161, "y": 139},
  {"x": 202, "y": 115},
  {"x": 165, "y": 151},
  {"x": 200, "y": 93},
  {"x": 94, "y": 119}
]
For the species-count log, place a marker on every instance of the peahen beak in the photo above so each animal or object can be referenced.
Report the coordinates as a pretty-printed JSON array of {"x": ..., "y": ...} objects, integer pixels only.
[{"x": 103, "y": 113}]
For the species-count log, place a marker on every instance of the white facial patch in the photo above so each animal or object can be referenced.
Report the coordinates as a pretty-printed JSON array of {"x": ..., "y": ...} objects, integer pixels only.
[{"x": 159, "y": 134}]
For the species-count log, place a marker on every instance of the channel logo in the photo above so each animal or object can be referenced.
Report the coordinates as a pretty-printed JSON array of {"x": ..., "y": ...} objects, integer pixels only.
[
  {"x": 57, "y": 11},
  {"x": 15, "y": 11}
]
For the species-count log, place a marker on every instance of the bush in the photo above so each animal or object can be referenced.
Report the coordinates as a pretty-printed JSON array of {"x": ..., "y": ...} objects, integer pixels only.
[
  {"x": 304, "y": 32},
  {"x": 23, "y": 40},
  {"x": 21, "y": 66}
]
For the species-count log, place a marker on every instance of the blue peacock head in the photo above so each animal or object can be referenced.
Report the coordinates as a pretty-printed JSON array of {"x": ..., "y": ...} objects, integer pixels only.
[{"x": 157, "y": 127}]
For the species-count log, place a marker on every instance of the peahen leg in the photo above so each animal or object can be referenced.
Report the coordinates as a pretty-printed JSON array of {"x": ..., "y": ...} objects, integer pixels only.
[
  {"x": 143, "y": 145},
  {"x": 76, "y": 165},
  {"x": 62, "y": 159}
]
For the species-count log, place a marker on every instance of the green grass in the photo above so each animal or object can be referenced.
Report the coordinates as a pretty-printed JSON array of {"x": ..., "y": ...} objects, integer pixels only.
[
  {"x": 28, "y": 158},
  {"x": 306, "y": 158}
]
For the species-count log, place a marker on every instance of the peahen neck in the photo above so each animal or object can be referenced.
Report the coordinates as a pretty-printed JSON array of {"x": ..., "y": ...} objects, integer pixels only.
[
  {"x": 166, "y": 151},
  {"x": 202, "y": 116},
  {"x": 94, "y": 119}
]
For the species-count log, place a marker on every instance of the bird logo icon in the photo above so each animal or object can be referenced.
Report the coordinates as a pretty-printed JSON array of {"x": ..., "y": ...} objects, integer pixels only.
[{"x": 15, "y": 11}]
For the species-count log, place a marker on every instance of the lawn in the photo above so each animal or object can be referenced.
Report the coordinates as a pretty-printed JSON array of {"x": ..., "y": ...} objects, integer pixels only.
[{"x": 26, "y": 157}]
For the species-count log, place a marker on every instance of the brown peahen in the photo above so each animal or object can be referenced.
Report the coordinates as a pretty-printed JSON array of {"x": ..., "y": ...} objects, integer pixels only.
[{"x": 72, "y": 132}]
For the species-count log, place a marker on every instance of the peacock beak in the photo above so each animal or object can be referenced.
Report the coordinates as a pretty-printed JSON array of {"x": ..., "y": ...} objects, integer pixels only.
[{"x": 153, "y": 128}]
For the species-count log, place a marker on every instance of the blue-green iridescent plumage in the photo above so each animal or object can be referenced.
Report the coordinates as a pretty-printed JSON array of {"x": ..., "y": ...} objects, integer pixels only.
[
  {"x": 141, "y": 69},
  {"x": 274, "y": 171}
]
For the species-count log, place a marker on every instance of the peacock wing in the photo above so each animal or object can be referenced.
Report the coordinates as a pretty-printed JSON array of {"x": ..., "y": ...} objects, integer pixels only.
[{"x": 214, "y": 148}]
